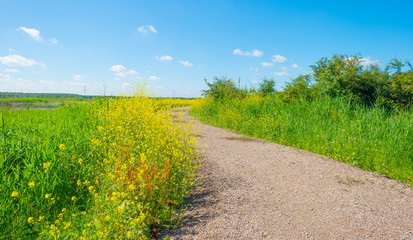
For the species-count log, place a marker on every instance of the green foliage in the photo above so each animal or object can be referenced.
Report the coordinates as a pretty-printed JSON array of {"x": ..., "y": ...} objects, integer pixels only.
[
  {"x": 345, "y": 76},
  {"x": 222, "y": 88},
  {"x": 267, "y": 86},
  {"x": 348, "y": 77},
  {"x": 298, "y": 88}
]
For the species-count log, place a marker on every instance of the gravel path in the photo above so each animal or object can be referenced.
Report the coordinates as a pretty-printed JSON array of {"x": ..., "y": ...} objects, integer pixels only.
[{"x": 253, "y": 189}]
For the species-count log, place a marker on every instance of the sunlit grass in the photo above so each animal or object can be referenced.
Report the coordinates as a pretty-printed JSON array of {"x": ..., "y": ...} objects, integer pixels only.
[
  {"x": 113, "y": 168},
  {"x": 370, "y": 138}
]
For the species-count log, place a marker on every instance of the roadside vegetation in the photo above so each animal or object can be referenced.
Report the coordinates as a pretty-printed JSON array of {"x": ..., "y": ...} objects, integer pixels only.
[
  {"x": 113, "y": 168},
  {"x": 354, "y": 113}
]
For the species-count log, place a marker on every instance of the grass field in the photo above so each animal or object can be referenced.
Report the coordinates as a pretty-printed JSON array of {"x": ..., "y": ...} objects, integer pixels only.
[
  {"x": 370, "y": 138},
  {"x": 112, "y": 168}
]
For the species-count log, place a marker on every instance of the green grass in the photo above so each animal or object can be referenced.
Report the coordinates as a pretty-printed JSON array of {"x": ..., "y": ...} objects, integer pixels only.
[
  {"x": 367, "y": 137},
  {"x": 113, "y": 168}
]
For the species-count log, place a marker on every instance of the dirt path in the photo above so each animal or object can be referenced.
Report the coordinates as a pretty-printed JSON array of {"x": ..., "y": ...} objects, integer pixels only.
[{"x": 254, "y": 189}]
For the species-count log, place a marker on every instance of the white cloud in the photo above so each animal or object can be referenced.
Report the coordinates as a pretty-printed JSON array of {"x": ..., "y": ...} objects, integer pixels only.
[
  {"x": 78, "y": 77},
  {"x": 17, "y": 60},
  {"x": 54, "y": 41},
  {"x": 237, "y": 52},
  {"x": 117, "y": 68},
  {"x": 152, "y": 29},
  {"x": 278, "y": 58},
  {"x": 294, "y": 65},
  {"x": 154, "y": 78},
  {"x": 33, "y": 33},
  {"x": 367, "y": 61},
  {"x": 120, "y": 74},
  {"x": 131, "y": 72},
  {"x": 122, "y": 71},
  {"x": 116, "y": 78},
  {"x": 266, "y": 64},
  {"x": 284, "y": 68},
  {"x": 11, "y": 49},
  {"x": 145, "y": 29},
  {"x": 280, "y": 73},
  {"x": 164, "y": 58},
  {"x": 12, "y": 70},
  {"x": 185, "y": 63},
  {"x": 254, "y": 52}
]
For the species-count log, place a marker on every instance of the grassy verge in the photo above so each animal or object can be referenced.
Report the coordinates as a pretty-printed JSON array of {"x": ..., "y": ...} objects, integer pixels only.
[
  {"x": 114, "y": 168},
  {"x": 370, "y": 138}
]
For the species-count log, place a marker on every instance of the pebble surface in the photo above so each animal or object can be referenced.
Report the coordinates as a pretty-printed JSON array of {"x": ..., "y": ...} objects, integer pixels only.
[{"x": 253, "y": 189}]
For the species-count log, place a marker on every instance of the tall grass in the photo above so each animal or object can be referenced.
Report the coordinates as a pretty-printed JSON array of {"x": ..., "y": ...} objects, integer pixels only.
[
  {"x": 368, "y": 137},
  {"x": 113, "y": 168}
]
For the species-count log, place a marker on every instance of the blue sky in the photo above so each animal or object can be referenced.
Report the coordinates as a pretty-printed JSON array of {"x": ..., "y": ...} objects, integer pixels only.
[{"x": 70, "y": 46}]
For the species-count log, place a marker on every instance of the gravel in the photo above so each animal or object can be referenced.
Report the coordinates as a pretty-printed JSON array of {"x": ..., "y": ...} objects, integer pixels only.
[{"x": 253, "y": 189}]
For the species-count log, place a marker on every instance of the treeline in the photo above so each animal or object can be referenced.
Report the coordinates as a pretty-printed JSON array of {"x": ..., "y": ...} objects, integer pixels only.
[
  {"x": 43, "y": 95},
  {"x": 342, "y": 76}
]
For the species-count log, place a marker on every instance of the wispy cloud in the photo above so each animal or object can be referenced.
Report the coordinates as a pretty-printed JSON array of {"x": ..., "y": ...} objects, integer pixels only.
[
  {"x": 17, "y": 60},
  {"x": 279, "y": 73},
  {"x": 266, "y": 64},
  {"x": 147, "y": 29},
  {"x": 54, "y": 41},
  {"x": 254, "y": 71},
  {"x": 367, "y": 61},
  {"x": 164, "y": 58},
  {"x": 185, "y": 63},
  {"x": 12, "y": 70},
  {"x": 278, "y": 59},
  {"x": 294, "y": 65},
  {"x": 154, "y": 78},
  {"x": 33, "y": 33},
  {"x": 11, "y": 49},
  {"x": 254, "y": 53},
  {"x": 122, "y": 71},
  {"x": 152, "y": 29},
  {"x": 78, "y": 77}
]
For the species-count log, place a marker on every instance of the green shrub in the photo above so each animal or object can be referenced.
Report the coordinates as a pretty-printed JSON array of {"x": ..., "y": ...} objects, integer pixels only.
[
  {"x": 222, "y": 88},
  {"x": 267, "y": 86}
]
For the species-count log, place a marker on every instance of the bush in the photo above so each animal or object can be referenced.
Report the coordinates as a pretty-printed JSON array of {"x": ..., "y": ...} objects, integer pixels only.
[
  {"x": 222, "y": 88},
  {"x": 267, "y": 87},
  {"x": 298, "y": 88}
]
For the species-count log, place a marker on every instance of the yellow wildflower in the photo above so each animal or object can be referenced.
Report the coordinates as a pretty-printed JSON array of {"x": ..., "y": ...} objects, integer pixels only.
[
  {"x": 83, "y": 213},
  {"x": 47, "y": 195},
  {"x": 67, "y": 225},
  {"x": 14, "y": 194},
  {"x": 41, "y": 218},
  {"x": 79, "y": 182},
  {"x": 30, "y": 220},
  {"x": 80, "y": 161},
  {"x": 132, "y": 187},
  {"x": 74, "y": 198},
  {"x": 91, "y": 188},
  {"x": 46, "y": 164},
  {"x": 31, "y": 184},
  {"x": 100, "y": 128},
  {"x": 62, "y": 147}
]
